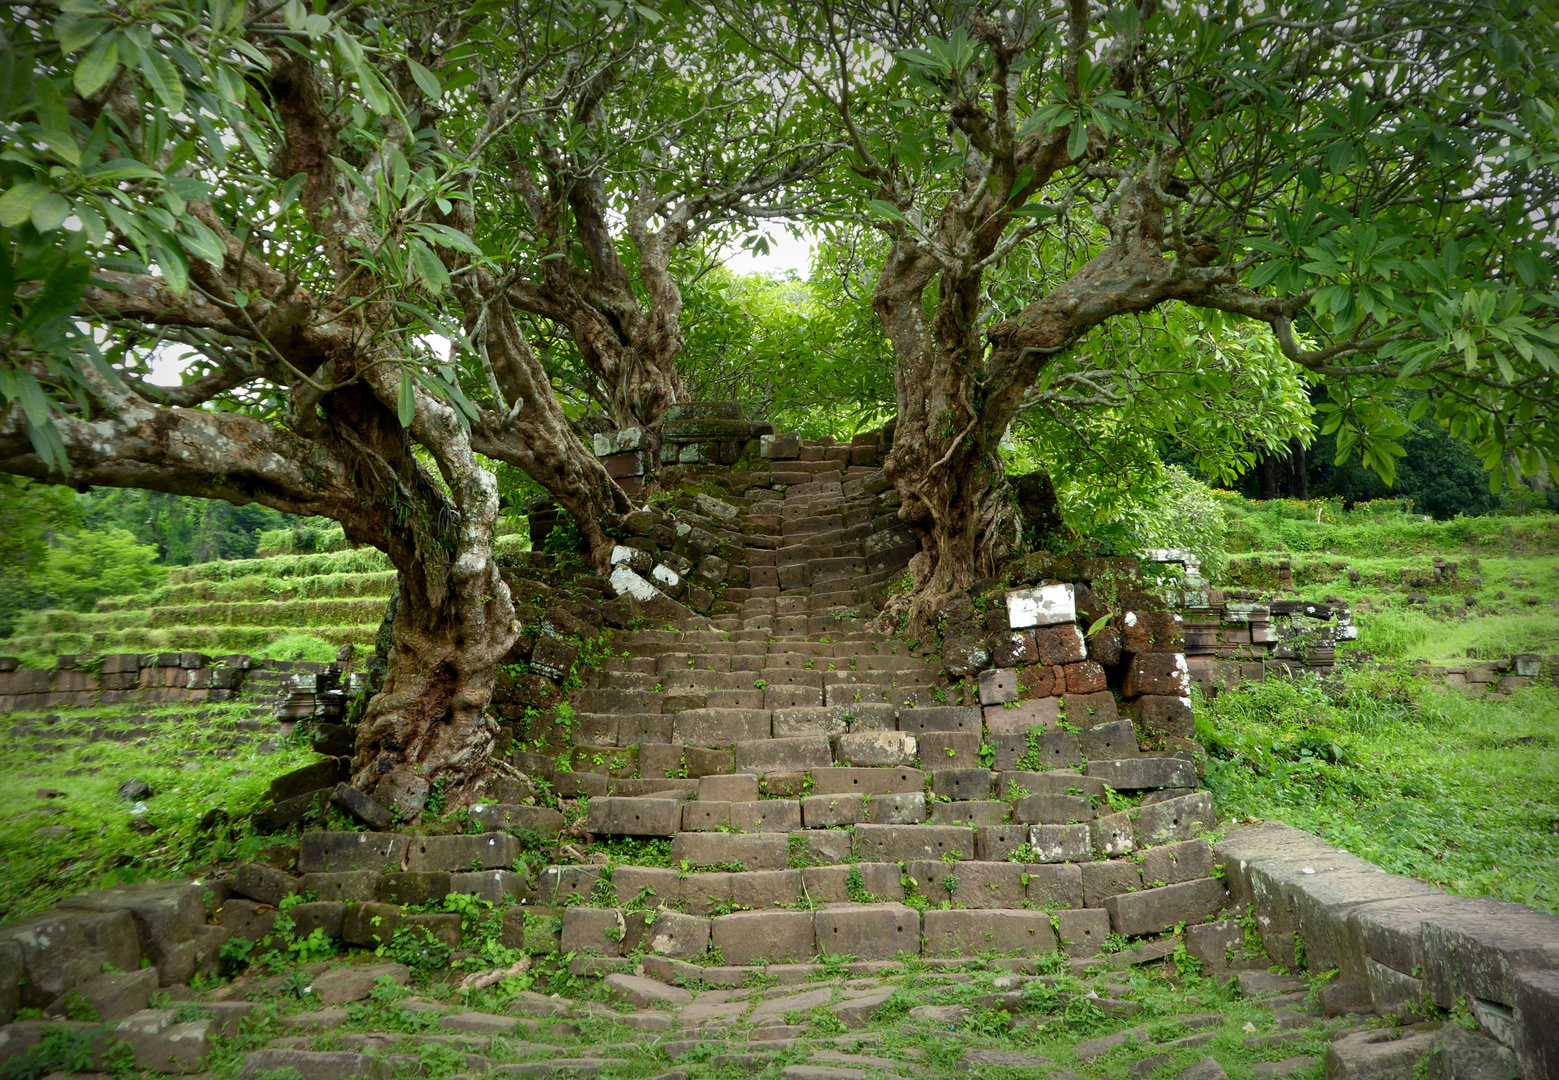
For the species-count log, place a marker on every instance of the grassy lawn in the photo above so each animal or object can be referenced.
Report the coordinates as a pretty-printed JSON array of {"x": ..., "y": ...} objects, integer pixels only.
[{"x": 1459, "y": 792}]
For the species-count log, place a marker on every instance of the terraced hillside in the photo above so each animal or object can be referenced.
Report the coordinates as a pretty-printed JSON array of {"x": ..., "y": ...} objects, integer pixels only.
[{"x": 238, "y": 606}]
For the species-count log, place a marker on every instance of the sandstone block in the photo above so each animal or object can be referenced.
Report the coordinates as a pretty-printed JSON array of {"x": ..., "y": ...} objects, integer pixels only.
[
  {"x": 766, "y": 815},
  {"x": 867, "y": 931},
  {"x": 1112, "y": 741},
  {"x": 846, "y": 781},
  {"x": 1180, "y": 818},
  {"x": 783, "y": 755},
  {"x": 998, "y": 685},
  {"x": 961, "y": 784},
  {"x": 1055, "y": 646},
  {"x": 1102, "y": 880},
  {"x": 965, "y": 933},
  {"x": 901, "y": 843},
  {"x": 1174, "y": 863},
  {"x": 1164, "y": 714},
  {"x": 1157, "y": 673},
  {"x": 760, "y": 851},
  {"x": 744, "y": 937},
  {"x": 876, "y": 748},
  {"x": 679, "y": 936},
  {"x": 1047, "y": 809},
  {"x": 1090, "y": 710},
  {"x": 333, "y": 852},
  {"x": 918, "y": 721},
  {"x": 1153, "y": 911},
  {"x": 478, "y": 851},
  {"x": 1083, "y": 930},
  {"x": 1145, "y": 773},
  {"x": 1054, "y": 885},
  {"x": 1046, "y": 605},
  {"x": 1060, "y": 843},
  {"x": 1112, "y": 835},
  {"x": 982, "y": 885}
]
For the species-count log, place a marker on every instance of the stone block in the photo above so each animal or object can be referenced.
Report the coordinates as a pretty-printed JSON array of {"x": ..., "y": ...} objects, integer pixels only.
[
  {"x": 1474, "y": 952},
  {"x": 593, "y": 931},
  {"x": 1174, "y": 863},
  {"x": 967, "y": 933},
  {"x": 1060, "y": 843},
  {"x": 246, "y": 919},
  {"x": 901, "y": 843},
  {"x": 325, "y": 915},
  {"x": 331, "y": 852},
  {"x": 766, "y": 815},
  {"x": 993, "y": 843},
  {"x": 701, "y": 762},
  {"x": 784, "y": 755},
  {"x": 825, "y": 811},
  {"x": 847, "y": 781},
  {"x": 679, "y": 936},
  {"x": 1039, "y": 714},
  {"x": 613, "y": 816},
  {"x": 1180, "y": 818},
  {"x": 1013, "y": 649},
  {"x": 1045, "y": 809},
  {"x": 348, "y": 886},
  {"x": 478, "y": 851},
  {"x": 263, "y": 883},
  {"x": 961, "y": 784},
  {"x": 1216, "y": 944},
  {"x": 918, "y": 721},
  {"x": 867, "y": 931},
  {"x": 413, "y": 888},
  {"x": 1109, "y": 742},
  {"x": 982, "y": 885},
  {"x": 1083, "y": 930},
  {"x": 1112, "y": 835},
  {"x": 720, "y": 727},
  {"x": 1536, "y": 1009},
  {"x": 759, "y": 851},
  {"x": 167, "y": 916},
  {"x": 1379, "y": 1054},
  {"x": 517, "y": 818},
  {"x": 705, "y": 894},
  {"x": 370, "y": 924},
  {"x": 825, "y": 846},
  {"x": 369, "y": 811},
  {"x": 324, "y": 773},
  {"x": 161, "y": 1044},
  {"x": 1046, "y": 605},
  {"x": 1056, "y": 646},
  {"x": 312, "y": 1064},
  {"x": 944, "y": 750},
  {"x": 1015, "y": 784},
  {"x": 758, "y": 889},
  {"x": 873, "y": 882},
  {"x": 1157, "y": 673},
  {"x": 736, "y": 787},
  {"x": 1085, "y": 677},
  {"x": 780, "y": 447},
  {"x": 1152, "y": 632},
  {"x": 114, "y": 995},
  {"x": 745, "y": 937},
  {"x": 1164, "y": 714},
  {"x": 1144, "y": 773},
  {"x": 1091, "y": 710},
  {"x": 977, "y": 813},
  {"x": 440, "y": 928},
  {"x": 1102, "y": 880},
  {"x": 1152, "y": 911},
  {"x": 876, "y": 748},
  {"x": 1054, "y": 885},
  {"x": 998, "y": 685}
]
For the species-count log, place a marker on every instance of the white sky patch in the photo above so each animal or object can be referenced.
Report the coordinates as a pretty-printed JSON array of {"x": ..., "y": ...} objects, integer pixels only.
[{"x": 787, "y": 253}]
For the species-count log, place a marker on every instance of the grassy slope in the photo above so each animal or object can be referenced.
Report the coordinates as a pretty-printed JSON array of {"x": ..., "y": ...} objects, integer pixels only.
[{"x": 179, "y": 759}]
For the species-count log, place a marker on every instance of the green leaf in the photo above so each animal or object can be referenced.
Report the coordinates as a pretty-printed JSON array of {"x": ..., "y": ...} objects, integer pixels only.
[
  {"x": 16, "y": 204},
  {"x": 97, "y": 65},
  {"x": 75, "y": 33},
  {"x": 427, "y": 265},
  {"x": 406, "y": 401},
  {"x": 163, "y": 78},
  {"x": 883, "y": 211},
  {"x": 426, "y": 81},
  {"x": 49, "y": 212},
  {"x": 447, "y": 236},
  {"x": 1077, "y": 141}
]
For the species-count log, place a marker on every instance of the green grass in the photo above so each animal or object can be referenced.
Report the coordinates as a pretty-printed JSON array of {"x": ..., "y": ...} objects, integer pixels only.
[
  {"x": 180, "y": 757},
  {"x": 40, "y": 650},
  {"x": 1375, "y": 529},
  {"x": 1419, "y": 779}
]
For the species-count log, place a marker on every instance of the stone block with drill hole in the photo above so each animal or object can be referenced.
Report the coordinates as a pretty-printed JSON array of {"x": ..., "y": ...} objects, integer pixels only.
[
  {"x": 1153, "y": 911},
  {"x": 825, "y": 846},
  {"x": 733, "y": 787},
  {"x": 901, "y": 843},
  {"x": 988, "y": 884},
  {"x": 766, "y": 816},
  {"x": 1044, "y": 809},
  {"x": 478, "y": 851},
  {"x": 1035, "y": 751},
  {"x": 1157, "y": 673},
  {"x": 903, "y": 809},
  {"x": 706, "y": 816},
  {"x": 998, "y": 685},
  {"x": 867, "y": 931},
  {"x": 847, "y": 781},
  {"x": 613, "y": 816},
  {"x": 1144, "y": 773},
  {"x": 976, "y": 812},
  {"x": 705, "y": 894},
  {"x": 1113, "y": 835},
  {"x": 1152, "y": 632},
  {"x": 759, "y": 851},
  {"x": 352, "y": 886},
  {"x": 1164, "y": 714},
  {"x": 679, "y": 936},
  {"x": 1046, "y": 605},
  {"x": 1182, "y": 818},
  {"x": 943, "y": 750},
  {"x": 1083, "y": 930},
  {"x": 1056, "y": 646},
  {"x": 1090, "y": 710},
  {"x": 919, "y": 721},
  {"x": 413, "y": 888},
  {"x": 1171, "y": 864},
  {"x": 784, "y": 755},
  {"x": 779, "y": 937},
  {"x": 1013, "y": 649},
  {"x": 993, "y": 843},
  {"x": 1108, "y": 742},
  {"x": 498, "y": 887},
  {"x": 1060, "y": 843},
  {"x": 1015, "y": 784},
  {"x": 1041, "y": 681},
  {"x": 720, "y": 727},
  {"x": 877, "y": 748},
  {"x": 331, "y": 852},
  {"x": 703, "y": 761},
  {"x": 593, "y": 931},
  {"x": 1102, "y": 880},
  {"x": 968, "y": 933},
  {"x": 961, "y": 784},
  {"x": 827, "y": 811},
  {"x": 655, "y": 886}
]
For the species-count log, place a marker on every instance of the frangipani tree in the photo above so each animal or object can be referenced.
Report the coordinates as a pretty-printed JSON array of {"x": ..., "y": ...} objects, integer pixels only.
[{"x": 1374, "y": 182}]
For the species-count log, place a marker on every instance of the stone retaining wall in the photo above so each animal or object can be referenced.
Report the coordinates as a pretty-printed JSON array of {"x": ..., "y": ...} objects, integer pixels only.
[{"x": 1401, "y": 948}]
